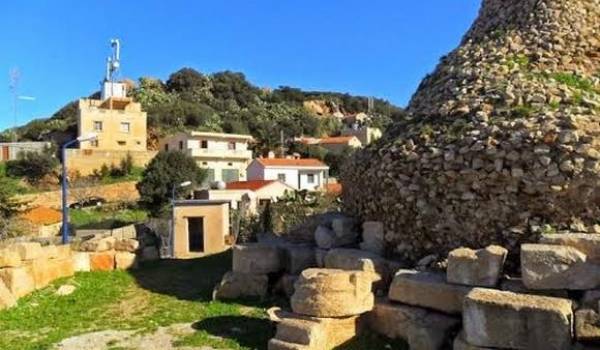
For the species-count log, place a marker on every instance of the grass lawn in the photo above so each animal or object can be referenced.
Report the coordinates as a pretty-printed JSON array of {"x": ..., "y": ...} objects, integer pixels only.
[
  {"x": 158, "y": 294},
  {"x": 105, "y": 218}
]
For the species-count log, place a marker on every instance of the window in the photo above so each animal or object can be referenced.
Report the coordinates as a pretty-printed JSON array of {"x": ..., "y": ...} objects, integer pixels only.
[
  {"x": 203, "y": 144},
  {"x": 230, "y": 164},
  {"x": 125, "y": 127},
  {"x": 310, "y": 178},
  {"x": 121, "y": 143},
  {"x": 281, "y": 177},
  {"x": 231, "y": 146},
  {"x": 97, "y": 126},
  {"x": 180, "y": 145},
  {"x": 166, "y": 147}
]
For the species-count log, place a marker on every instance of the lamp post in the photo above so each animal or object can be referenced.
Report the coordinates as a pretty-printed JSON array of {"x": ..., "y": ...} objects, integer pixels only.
[
  {"x": 64, "y": 184},
  {"x": 173, "y": 189}
]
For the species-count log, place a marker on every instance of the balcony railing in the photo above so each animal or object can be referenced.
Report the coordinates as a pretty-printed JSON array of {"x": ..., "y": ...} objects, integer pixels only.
[{"x": 220, "y": 153}]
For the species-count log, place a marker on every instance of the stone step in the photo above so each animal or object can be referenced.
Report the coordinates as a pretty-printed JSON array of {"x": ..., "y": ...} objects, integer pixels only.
[
  {"x": 499, "y": 319},
  {"x": 257, "y": 258},
  {"x": 481, "y": 267},
  {"x": 427, "y": 289}
]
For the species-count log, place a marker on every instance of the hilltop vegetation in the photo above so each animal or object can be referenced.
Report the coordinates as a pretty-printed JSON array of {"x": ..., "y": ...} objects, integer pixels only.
[{"x": 224, "y": 102}]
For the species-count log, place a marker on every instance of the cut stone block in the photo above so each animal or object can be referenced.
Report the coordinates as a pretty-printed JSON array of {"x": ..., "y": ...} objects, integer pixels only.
[
  {"x": 498, "y": 319},
  {"x": 276, "y": 344},
  {"x": 320, "y": 255},
  {"x": 302, "y": 332},
  {"x": 427, "y": 289},
  {"x": 515, "y": 285},
  {"x": 45, "y": 271},
  {"x": 587, "y": 243},
  {"x": 360, "y": 260},
  {"x": 102, "y": 261},
  {"x": 285, "y": 284},
  {"x": 7, "y": 300},
  {"x": 324, "y": 237},
  {"x": 480, "y": 267},
  {"x": 332, "y": 293},
  {"x": 9, "y": 258},
  {"x": 49, "y": 252},
  {"x": 257, "y": 258},
  {"x": 125, "y": 260},
  {"x": 98, "y": 244},
  {"x": 29, "y": 250},
  {"x": 422, "y": 329},
  {"x": 127, "y": 245},
  {"x": 81, "y": 262},
  {"x": 63, "y": 251},
  {"x": 460, "y": 344},
  {"x": 345, "y": 230},
  {"x": 299, "y": 258},
  {"x": 545, "y": 266},
  {"x": 18, "y": 280},
  {"x": 587, "y": 325},
  {"x": 235, "y": 285},
  {"x": 373, "y": 236}
]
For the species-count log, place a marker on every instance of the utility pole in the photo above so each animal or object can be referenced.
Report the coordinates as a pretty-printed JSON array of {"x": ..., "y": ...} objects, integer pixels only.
[{"x": 13, "y": 85}]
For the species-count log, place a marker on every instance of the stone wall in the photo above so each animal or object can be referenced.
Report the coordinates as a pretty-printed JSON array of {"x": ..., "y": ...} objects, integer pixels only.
[
  {"x": 502, "y": 139},
  {"x": 87, "y": 160}
]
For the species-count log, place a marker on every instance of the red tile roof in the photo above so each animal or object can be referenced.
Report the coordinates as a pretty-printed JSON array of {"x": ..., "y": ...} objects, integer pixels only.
[
  {"x": 336, "y": 139},
  {"x": 306, "y": 162},
  {"x": 42, "y": 216},
  {"x": 334, "y": 188},
  {"x": 252, "y": 185}
]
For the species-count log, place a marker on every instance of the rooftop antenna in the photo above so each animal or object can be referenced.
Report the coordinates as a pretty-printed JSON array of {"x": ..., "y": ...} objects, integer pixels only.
[
  {"x": 14, "y": 75},
  {"x": 113, "y": 62}
]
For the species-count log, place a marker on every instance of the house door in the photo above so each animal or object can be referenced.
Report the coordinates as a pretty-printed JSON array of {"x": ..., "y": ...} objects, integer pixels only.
[
  {"x": 5, "y": 153},
  {"x": 196, "y": 234}
]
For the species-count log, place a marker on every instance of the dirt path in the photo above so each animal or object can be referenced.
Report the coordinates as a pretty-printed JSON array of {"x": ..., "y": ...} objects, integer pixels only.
[{"x": 162, "y": 339}]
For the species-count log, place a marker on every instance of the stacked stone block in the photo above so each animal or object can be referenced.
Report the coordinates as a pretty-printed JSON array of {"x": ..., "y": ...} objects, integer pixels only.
[{"x": 108, "y": 253}]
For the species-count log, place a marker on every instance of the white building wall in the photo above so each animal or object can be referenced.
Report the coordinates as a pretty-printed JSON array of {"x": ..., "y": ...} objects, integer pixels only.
[{"x": 291, "y": 176}]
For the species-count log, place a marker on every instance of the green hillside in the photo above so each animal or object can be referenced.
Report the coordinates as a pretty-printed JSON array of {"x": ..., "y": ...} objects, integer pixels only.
[{"x": 224, "y": 102}]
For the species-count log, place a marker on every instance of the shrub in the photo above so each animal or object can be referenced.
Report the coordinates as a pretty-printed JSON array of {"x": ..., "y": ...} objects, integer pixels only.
[{"x": 32, "y": 166}]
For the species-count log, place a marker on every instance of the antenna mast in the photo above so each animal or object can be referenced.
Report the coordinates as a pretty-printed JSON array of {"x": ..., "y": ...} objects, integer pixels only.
[{"x": 13, "y": 85}]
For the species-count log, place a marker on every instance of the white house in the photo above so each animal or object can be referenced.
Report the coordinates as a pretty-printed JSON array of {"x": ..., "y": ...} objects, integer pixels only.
[
  {"x": 301, "y": 174},
  {"x": 226, "y": 156}
]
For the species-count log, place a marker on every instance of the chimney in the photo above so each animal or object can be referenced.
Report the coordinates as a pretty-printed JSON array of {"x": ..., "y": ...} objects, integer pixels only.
[{"x": 271, "y": 155}]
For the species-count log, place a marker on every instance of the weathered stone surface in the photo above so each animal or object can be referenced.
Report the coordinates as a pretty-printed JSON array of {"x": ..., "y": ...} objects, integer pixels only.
[
  {"x": 360, "y": 260},
  {"x": 257, "y": 258},
  {"x": 286, "y": 284},
  {"x": 345, "y": 230},
  {"x": 9, "y": 258},
  {"x": 427, "y": 289},
  {"x": 102, "y": 261},
  {"x": 515, "y": 285},
  {"x": 493, "y": 318},
  {"x": 49, "y": 252},
  {"x": 373, "y": 237},
  {"x": 276, "y": 344},
  {"x": 98, "y": 244},
  {"x": 63, "y": 251},
  {"x": 590, "y": 299},
  {"x": 480, "y": 267},
  {"x": 494, "y": 139},
  {"x": 28, "y": 250},
  {"x": 81, "y": 262},
  {"x": 320, "y": 255},
  {"x": 545, "y": 266},
  {"x": 460, "y": 344},
  {"x": 587, "y": 325},
  {"x": 421, "y": 328},
  {"x": 125, "y": 260},
  {"x": 150, "y": 253},
  {"x": 324, "y": 237},
  {"x": 332, "y": 293},
  {"x": 312, "y": 333},
  {"x": 65, "y": 289},
  {"x": 127, "y": 245},
  {"x": 236, "y": 285},
  {"x": 47, "y": 270},
  {"x": 18, "y": 280},
  {"x": 7, "y": 300},
  {"x": 299, "y": 258},
  {"x": 587, "y": 243}
]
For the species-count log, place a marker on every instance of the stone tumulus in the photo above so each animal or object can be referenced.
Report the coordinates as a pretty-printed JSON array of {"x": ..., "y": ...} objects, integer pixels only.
[{"x": 502, "y": 139}]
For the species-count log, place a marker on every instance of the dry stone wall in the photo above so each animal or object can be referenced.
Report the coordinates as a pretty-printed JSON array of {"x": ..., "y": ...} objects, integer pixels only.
[{"x": 502, "y": 141}]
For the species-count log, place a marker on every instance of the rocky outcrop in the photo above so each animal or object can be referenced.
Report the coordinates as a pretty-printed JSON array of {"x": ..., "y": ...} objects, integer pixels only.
[{"x": 502, "y": 139}]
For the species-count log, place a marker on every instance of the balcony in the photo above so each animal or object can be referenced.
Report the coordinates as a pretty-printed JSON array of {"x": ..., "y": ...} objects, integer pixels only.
[{"x": 219, "y": 153}]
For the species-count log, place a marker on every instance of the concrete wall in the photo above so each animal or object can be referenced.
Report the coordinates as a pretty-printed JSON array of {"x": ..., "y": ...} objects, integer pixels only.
[
  {"x": 11, "y": 150},
  {"x": 85, "y": 161},
  {"x": 112, "y": 136},
  {"x": 216, "y": 226}
]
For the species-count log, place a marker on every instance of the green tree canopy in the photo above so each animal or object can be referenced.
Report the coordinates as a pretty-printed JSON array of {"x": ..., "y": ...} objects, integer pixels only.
[
  {"x": 166, "y": 170},
  {"x": 33, "y": 166}
]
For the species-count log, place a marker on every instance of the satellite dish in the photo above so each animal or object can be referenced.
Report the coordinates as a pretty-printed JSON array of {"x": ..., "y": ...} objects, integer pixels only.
[{"x": 218, "y": 185}]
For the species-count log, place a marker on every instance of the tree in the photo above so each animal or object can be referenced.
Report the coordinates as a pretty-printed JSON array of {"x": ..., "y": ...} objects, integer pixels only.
[
  {"x": 33, "y": 166},
  {"x": 166, "y": 170}
]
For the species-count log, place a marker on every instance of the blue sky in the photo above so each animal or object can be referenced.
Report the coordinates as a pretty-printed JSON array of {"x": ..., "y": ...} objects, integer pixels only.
[{"x": 381, "y": 48}]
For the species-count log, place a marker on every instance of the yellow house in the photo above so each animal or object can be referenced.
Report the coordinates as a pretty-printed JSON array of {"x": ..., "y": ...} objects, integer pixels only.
[
  {"x": 119, "y": 123},
  {"x": 225, "y": 156}
]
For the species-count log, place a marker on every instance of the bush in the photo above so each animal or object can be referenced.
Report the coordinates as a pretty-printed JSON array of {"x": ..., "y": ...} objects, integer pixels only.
[
  {"x": 32, "y": 166},
  {"x": 166, "y": 170}
]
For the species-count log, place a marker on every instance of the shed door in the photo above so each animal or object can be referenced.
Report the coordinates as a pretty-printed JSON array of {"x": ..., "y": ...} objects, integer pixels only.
[{"x": 196, "y": 234}]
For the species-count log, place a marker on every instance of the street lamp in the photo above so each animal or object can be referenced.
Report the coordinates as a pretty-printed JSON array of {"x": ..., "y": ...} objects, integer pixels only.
[
  {"x": 176, "y": 186},
  {"x": 65, "y": 206}
]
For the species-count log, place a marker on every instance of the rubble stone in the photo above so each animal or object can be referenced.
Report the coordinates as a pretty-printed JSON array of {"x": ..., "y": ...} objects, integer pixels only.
[
  {"x": 480, "y": 267},
  {"x": 427, "y": 289},
  {"x": 498, "y": 319},
  {"x": 588, "y": 244},
  {"x": 257, "y": 258},
  {"x": 324, "y": 237},
  {"x": 587, "y": 325},
  {"x": 545, "y": 266},
  {"x": 332, "y": 293},
  {"x": 98, "y": 244},
  {"x": 235, "y": 285},
  {"x": 421, "y": 328}
]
